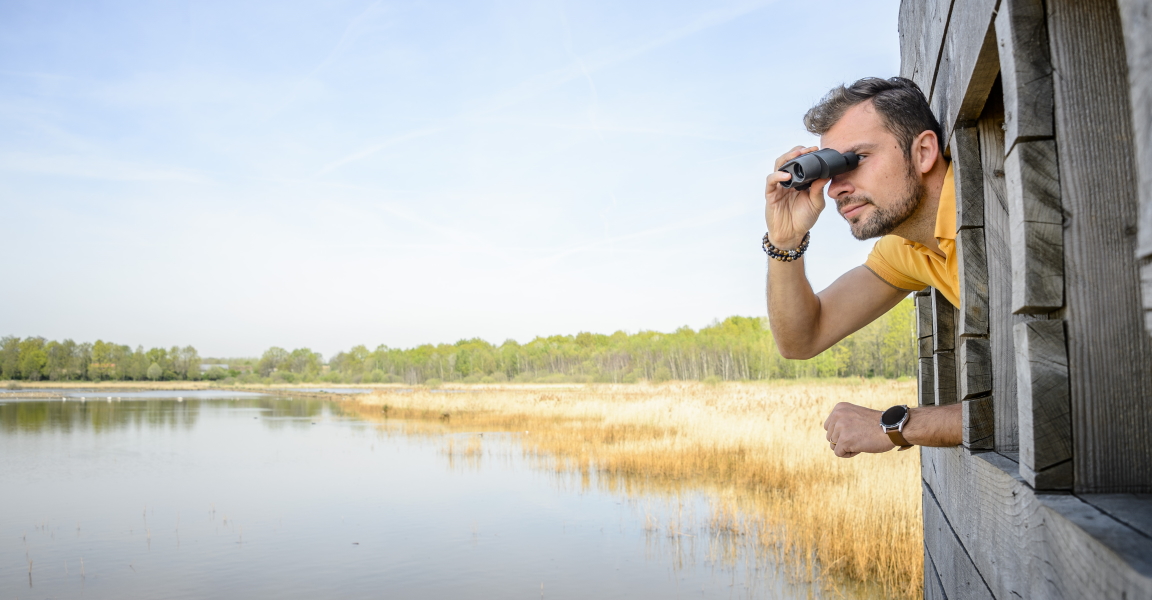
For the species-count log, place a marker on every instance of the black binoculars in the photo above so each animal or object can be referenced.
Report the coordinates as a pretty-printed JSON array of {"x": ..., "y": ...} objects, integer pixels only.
[{"x": 820, "y": 164}]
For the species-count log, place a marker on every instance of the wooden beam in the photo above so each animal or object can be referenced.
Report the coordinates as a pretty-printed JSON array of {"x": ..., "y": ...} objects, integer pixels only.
[
  {"x": 1136, "y": 21},
  {"x": 944, "y": 366},
  {"x": 943, "y": 323},
  {"x": 959, "y": 577},
  {"x": 968, "y": 65},
  {"x": 973, "y": 271},
  {"x": 1025, "y": 70},
  {"x": 997, "y": 244},
  {"x": 1036, "y": 221},
  {"x": 975, "y": 367},
  {"x": 1109, "y": 353},
  {"x": 1045, "y": 415},
  {"x": 926, "y": 386},
  {"x": 922, "y": 24},
  {"x": 979, "y": 421},
  {"x": 968, "y": 177},
  {"x": 1030, "y": 545},
  {"x": 933, "y": 589},
  {"x": 923, "y": 300}
]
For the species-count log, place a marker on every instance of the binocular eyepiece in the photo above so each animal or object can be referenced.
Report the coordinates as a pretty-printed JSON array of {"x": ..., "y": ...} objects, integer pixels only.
[{"x": 820, "y": 164}]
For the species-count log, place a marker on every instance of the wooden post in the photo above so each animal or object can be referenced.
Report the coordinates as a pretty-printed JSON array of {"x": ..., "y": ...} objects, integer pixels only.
[
  {"x": 927, "y": 377},
  {"x": 1109, "y": 353},
  {"x": 1045, "y": 420},
  {"x": 1136, "y": 19}
]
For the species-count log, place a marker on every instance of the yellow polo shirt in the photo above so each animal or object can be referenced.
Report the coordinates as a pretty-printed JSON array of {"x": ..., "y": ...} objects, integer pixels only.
[{"x": 912, "y": 266}]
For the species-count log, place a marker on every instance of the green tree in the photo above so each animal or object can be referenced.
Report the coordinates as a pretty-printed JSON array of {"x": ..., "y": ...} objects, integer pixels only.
[{"x": 155, "y": 371}]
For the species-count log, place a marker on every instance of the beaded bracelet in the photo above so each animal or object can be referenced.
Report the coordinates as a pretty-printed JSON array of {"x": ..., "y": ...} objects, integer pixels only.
[{"x": 786, "y": 255}]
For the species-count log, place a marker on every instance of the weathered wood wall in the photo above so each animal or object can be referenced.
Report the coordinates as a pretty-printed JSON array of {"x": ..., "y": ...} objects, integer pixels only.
[{"x": 1047, "y": 111}]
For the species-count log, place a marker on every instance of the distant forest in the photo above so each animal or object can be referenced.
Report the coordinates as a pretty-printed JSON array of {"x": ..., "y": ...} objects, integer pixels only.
[{"x": 737, "y": 348}]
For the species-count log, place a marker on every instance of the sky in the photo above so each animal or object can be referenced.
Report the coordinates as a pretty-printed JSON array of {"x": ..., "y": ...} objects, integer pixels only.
[{"x": 245, "y": 174}]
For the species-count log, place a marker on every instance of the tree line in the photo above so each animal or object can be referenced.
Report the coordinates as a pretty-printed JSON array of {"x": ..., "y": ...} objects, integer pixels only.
[{"x": 737, "y": 348}]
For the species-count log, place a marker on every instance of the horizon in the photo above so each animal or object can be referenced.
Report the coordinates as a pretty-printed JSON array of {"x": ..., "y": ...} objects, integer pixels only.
[{"x": 311, "y": 175}]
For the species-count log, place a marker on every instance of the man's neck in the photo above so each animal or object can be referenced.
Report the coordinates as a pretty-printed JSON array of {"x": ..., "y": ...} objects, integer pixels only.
[{"x": 921, "y": 226}]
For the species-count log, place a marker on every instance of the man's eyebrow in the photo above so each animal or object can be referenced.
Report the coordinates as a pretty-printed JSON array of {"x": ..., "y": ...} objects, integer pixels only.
[{"x": 864, "y": 146}]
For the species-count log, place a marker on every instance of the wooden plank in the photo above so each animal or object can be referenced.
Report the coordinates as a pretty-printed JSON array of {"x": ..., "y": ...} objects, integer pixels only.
[
  {"x": 1045, "y": 414},
  {"x": 922, "y": 31},
  {"x": 968, "y": 177},
  {"x": 1146, "y": 287},
  {"x": 943, "y": 323},
  {"x": 1133, "y": 510},
  {"x": 1109, "y": 352},
  {"x": 944, "y": 367},
  {"x": 979, "y": 421},
  {"x": 923, "y": 300},
  {"x": 925, "y": 344},
  {"x": 975, "y": 367},
  {"x": 968, "y": 65},
  {"x": 997, "y": 240},
  {"x": 1136, "y": 21},
  {"x": 933, "y": 590},
  {"x": 973, "y": 271},
  {"x": 926, "y": 387},
  {"x": 1036, "y": 221},
  {"x": 1029, "y": 546},
  {"x": 1025, "y": 71},
  {"x": 959, "y": 577}
]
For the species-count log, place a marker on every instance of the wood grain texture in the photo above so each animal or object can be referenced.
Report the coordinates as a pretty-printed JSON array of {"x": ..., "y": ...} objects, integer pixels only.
[
  {"x": 923, "y": 300},
  {"x": 1109, "y": 353},
  {"x": 968, "y": 65},
  {"x": 925, "y": 344},
  {"x": 1146, "y": 286},
  {"x": 979, "y": 421},
  {"x": 973, "y": 270},
  {"x": 1036, "y": 226},
  {"x": 1025, "y": 70},
  {"x": 975, "y": 367},
  {"x": 997, "y": 237},
  {"x": 922, "y": 24},
  {"x": 968, "y": 177},
  {"x": 926, "y": 386},
  {"x": 958, "y": 575},
  {"x": 1030, "y": 545},
  {"x": 1043, "y": 401},
  {"x": 1136, "y": 21},
  {"x": 1133, "y": 510},
  {"x": 933, "y": 590},
  {"x": 943, "y": 323},
  {"x": 944, "y": 366}
]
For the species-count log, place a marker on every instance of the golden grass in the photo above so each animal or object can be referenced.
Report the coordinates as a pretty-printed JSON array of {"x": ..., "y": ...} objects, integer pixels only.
[{"x": 757, "y": 449}]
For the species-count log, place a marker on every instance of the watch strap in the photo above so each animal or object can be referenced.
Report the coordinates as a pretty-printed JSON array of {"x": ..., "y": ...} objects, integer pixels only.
[{"x": 898, "y": 438}]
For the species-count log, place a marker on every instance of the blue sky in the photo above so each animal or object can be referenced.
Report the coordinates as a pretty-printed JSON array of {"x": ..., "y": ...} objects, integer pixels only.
[{"x": 236, "y": 175}]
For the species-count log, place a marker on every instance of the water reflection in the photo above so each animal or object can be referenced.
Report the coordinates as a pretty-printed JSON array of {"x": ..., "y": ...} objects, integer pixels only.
[{"x": 294, "y": 498}]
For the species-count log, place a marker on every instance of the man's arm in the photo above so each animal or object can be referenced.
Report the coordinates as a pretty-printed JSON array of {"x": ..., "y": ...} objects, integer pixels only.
[
  {"x": 854, "y": 429},
  {"x": 804, "y": 323}
]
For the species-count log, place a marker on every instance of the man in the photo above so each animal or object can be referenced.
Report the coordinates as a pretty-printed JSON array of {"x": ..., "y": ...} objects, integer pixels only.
[{"x": 902, "y": 192}]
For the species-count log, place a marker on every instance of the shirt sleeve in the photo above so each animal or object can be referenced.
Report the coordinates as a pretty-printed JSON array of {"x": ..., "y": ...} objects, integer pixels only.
[{"x": 886, "y": 259}]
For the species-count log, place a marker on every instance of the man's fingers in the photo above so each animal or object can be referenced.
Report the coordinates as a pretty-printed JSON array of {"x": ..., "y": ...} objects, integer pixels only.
[
  {"x": 775, "y": 179},
  {"x": 789, "y": 155}
]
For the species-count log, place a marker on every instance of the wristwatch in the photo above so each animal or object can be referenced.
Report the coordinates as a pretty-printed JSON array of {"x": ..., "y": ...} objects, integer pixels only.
[{"x": 893, "y": 421}]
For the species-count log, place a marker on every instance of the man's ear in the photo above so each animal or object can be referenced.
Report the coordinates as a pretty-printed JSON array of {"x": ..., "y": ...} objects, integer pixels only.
[{"x": 925, "y": 151}]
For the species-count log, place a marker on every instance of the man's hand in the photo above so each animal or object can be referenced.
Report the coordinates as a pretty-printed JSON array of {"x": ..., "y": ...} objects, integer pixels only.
[
  {"x": 854, "y": 429},
  {"x": 790, "y": 213}
]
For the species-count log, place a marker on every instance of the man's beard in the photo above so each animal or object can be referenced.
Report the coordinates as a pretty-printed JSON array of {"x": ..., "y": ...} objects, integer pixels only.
[{"x": 884, "y": 221}]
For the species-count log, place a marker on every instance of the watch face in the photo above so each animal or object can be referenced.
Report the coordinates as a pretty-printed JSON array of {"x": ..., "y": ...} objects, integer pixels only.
[{"x": 893, "y": 416}]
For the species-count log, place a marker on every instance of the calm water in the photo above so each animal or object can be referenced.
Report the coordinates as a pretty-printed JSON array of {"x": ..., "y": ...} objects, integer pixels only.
[{"x": 258, "y": 497}]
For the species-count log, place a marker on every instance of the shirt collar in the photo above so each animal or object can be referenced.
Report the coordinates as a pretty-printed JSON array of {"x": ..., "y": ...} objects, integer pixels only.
[{"x": 945, "y": 214}]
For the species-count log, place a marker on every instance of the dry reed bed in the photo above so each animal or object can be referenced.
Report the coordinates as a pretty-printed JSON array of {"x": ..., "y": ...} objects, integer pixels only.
[{"x": 757, "y": 448}]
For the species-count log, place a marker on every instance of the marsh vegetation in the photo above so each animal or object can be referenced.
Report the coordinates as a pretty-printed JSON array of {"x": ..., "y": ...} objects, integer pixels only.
[{"x": 756, "y": 450}]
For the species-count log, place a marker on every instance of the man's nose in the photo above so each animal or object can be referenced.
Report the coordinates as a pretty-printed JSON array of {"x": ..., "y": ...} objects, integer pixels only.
[{"x": 841, "y": 185}]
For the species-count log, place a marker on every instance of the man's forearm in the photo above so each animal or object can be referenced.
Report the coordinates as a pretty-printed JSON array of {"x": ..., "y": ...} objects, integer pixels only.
[
  {"x": 936, "y": 426},
  {"x": 793, "y": 308}
]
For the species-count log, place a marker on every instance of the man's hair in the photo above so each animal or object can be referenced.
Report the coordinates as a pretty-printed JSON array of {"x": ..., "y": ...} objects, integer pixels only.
[{"x": 899, "y": 101}]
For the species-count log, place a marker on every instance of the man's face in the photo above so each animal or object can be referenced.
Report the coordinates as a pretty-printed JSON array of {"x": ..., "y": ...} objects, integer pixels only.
[{"x": 885, "y": 190}]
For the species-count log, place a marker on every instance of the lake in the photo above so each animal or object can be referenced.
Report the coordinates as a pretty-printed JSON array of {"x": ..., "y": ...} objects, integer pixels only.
[{"x": 231, "y": 495}]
